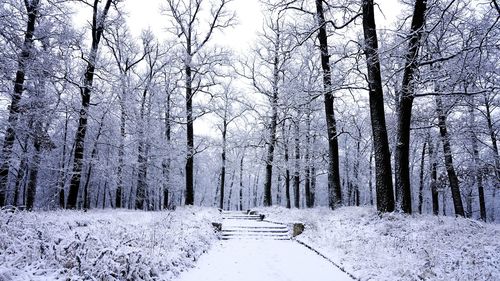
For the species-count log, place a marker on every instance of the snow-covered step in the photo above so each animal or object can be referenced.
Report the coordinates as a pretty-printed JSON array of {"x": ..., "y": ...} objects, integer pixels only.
[{"x": 243, "y": 226}]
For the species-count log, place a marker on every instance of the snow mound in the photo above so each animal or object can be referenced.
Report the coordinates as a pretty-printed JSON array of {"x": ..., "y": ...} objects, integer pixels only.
[
  {"x": 103, "y": 245},
  {"x": 394, "y": 246}
]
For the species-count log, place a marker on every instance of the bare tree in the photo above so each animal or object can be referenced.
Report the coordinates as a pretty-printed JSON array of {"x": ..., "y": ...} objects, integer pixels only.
[
  {"x": 383, "y": 172},
  {"x": 406, "y": 97},
  {"x": 97, "y": 29},
  {"x": 25, "y": 56},
  {"x": 187, "y": 17}
]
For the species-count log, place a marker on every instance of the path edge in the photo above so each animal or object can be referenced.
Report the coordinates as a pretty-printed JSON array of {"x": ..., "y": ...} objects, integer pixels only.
[{"x": 326, "y": 258}]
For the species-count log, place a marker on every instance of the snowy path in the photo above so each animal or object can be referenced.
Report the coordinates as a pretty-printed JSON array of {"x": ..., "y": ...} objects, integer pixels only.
[{"x": 261, "y": 259}]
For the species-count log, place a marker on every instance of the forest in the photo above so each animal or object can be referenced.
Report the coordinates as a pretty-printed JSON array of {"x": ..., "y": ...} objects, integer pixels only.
[{"x": 328, "y": 107}]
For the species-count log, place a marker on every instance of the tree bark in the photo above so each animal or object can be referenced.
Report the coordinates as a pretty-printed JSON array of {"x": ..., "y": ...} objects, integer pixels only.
[
  {"x": 402, "y": 171},
  {"x": 452, "y": 176},
  {"x": 167, "y": 162},
  {"x": 296, "y": 176},
  {"x": 14, "y": 108},
  {"x": 98, "y": 22},
  {"x": 223, "y": 159},
  {"x": 477, "y": 161},
  {"x": 33, "y": 175},
  {"x": 334, "y": 188},
  {"x": 189, "y": 130},
  {"x": 421, "y": 179},
  {"x": 433, "y": 172},
  {"x": 287, "y": 170},
  {"x": 383, "y": 172}
]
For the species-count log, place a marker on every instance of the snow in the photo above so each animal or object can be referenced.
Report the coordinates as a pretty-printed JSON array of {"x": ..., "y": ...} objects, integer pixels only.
[
  {"x": 399, "y": 247},
  {"x": 251, "y": 260},
  {"x": 103, "y": 245},
  {"x": 135, "y": 245}
]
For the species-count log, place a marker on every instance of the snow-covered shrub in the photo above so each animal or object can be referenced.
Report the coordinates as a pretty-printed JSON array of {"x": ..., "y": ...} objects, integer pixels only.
[
  {"x": 393, "y": 246},
  {"x": 103, "y": 245}
]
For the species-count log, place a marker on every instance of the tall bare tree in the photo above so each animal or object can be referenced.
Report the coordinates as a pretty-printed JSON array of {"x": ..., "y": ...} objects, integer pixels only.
[
  {"x": 196, "y": 28},
  {"x": 97, "y": 29},
  {"x": 26, "y": 54},
  {"x": 383, "y": 172},
  {"x": 406, "y": 97}
]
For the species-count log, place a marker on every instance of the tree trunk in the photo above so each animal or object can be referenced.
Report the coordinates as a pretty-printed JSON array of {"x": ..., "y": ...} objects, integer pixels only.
[
  {"x": 287, "y": 170},
  {"x": 21, "y": 172},
  {"x": 241, "y": 181},
  {"x": 296, "y": 176},
  {"x": 167, "y": 162},
  {"x": 14, "y": 108},
  {"x": 433, "y": 172},
  {"x": 383, "y": 173},
  {"x": 97, "y": 30},
  {"x": 477, "y": 161},
  {"x": 493, "y": 138},
  {"x": 421, "y": 178},
  {"x": 334, "y": 188},
  {"x": 402, "y": 157},
  {"x": 142, "y": 158},
  {"x": 273, "y": 123},
  {"x": 33, "y": 175},
  {"x": 121, "y": 154},
  {"x": 190, "y": 133},
  {"x": 452, "y": 176},
  {"x": 223, "y": 167}
]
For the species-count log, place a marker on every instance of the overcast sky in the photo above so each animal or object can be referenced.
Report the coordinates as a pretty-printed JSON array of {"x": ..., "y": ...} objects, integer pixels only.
[{"x": 143, "y": 14}]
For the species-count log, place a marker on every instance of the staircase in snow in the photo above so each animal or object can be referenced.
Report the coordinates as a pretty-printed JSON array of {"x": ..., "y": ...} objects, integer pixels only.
[{"x": 240, "y": 225}]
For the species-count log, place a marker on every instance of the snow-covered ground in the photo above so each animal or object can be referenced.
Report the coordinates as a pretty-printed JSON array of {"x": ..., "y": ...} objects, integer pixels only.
[
  {"x": 399, "y": 247},
  {"x": 103, "y": 245},
  {"x": 266, "y": 260}
]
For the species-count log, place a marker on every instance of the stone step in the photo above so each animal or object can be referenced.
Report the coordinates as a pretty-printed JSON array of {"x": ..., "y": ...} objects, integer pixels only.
[
  {"x": 255, "y": 236},
  {"x": 258, "y": 230}
]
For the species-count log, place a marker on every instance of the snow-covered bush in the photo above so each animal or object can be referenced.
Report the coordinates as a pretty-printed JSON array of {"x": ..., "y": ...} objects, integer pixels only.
[{"x": 103, "y": 245}]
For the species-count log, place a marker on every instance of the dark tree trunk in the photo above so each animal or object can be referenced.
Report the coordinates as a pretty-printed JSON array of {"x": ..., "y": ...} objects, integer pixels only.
[
  {"x": 334, "y": 188},
  {"x": 273, "y": 123},
  {"x": 121, "y": 154},
  {"x": 33, "y": 175},
  {"x": 141, "y": 198},
  {"x": 190, "y": 133},
  {"x": 296, "y": 176},
  {"x": 493, "y": 138},
  {"x": 370, "y": 180},
  {"x": 402, "y": 171},
  {"x": 63, "y": 173},
  {"x": 448, "y": 159},
  {"x": 383, "y": 173},
  {"x": 241, "y": 182},
  {"x": 230, "y": 195},
  {"x": 97, "y": 30},
  {"x": 223, "y": 167},
  {"x": 287, "y": 170},
  {"x": 433, "y": 172},
  {"x": 421, "y": 179},
  {"x": 167, "y": 162},
  {"x": 21, "y": 172},
  {"x": 313, "y": 184},
  {"x": 308, "y": 160},
  {"x": 93, "y": 156},
  {"x": 10, "y": 133},
  {"x": 477, "y": 161}
]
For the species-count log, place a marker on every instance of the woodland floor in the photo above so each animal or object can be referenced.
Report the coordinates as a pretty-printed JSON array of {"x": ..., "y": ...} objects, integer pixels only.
[{"x": 134, "y": 245}]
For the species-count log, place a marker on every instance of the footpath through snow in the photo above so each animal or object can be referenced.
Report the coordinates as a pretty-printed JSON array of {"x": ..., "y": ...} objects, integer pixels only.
[{"x": 259, "y": 250}]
